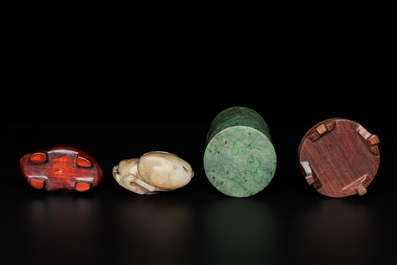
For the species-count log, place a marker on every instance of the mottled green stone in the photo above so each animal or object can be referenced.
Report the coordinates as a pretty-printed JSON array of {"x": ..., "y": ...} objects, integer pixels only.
[{"x": 239, "y": 159}]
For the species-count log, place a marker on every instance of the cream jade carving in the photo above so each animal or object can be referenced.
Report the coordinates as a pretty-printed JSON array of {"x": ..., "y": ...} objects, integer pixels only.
[{"x": 153, "y": 172}]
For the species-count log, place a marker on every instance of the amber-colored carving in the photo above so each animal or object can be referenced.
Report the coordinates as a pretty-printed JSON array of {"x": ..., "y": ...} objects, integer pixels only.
[{"x": 61, "y": 168}]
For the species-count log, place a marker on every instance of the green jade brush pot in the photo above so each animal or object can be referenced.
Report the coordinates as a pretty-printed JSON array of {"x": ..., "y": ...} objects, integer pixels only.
[{"x": 239, "y": 158}]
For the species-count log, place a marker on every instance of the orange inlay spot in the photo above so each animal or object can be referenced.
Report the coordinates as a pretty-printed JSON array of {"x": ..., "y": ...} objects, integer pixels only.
[
  {"x": 82, "y": 186},
  {"x": 83, "y": 162},
  {"x": 38, "y": 157},
  {"x": 37, "y": 183}
]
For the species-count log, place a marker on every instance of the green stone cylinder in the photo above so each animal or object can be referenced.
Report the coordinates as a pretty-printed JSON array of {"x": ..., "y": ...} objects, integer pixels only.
[{"x": 239, "y": 159}]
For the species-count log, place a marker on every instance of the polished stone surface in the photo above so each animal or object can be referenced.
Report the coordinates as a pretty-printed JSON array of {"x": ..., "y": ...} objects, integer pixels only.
[
  {"x": 240, "y": 159},
  {"x": 153, "y": 172}
]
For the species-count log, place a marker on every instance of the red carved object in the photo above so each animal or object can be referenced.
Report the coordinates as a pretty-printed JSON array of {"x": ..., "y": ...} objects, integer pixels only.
[
  {"x": 61, "y": 168},
  {"x": 339, "y": 157}
]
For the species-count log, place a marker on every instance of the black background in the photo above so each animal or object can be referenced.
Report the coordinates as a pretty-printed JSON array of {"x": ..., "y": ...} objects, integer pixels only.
[
  {"x": 181, "y": 62},
  {"x": 119, "y": 79}
]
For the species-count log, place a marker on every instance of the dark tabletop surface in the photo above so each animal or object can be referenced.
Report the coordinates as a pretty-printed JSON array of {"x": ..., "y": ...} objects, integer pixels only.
[
  {"x": 166, "y": 63},
  {"x": 287, "y": 222}
]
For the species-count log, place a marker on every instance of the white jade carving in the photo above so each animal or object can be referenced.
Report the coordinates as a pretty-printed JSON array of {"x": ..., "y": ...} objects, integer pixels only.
[{"x": 153, "y": 172}]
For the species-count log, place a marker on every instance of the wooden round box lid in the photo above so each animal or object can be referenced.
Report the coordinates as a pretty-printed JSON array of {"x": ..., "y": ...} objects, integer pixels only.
[{"x": 339, "y": 157}]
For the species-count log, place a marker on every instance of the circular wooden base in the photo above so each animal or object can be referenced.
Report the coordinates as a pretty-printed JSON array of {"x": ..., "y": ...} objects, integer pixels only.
[{"x": 339, "y": 157}]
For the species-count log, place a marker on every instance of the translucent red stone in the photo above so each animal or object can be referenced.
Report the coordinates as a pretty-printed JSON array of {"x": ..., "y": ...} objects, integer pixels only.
[{"x": 61, "y": 168}]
